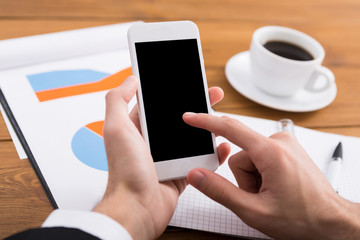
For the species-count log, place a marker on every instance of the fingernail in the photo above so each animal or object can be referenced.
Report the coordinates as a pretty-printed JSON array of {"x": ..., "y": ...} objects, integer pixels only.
[
  {"x": 189, "y": 114},
  {"x": 197, "y": 179}
]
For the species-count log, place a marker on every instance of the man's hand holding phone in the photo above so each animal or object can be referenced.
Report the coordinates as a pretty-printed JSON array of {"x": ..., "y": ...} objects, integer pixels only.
[{"x": 134, "y": 197}]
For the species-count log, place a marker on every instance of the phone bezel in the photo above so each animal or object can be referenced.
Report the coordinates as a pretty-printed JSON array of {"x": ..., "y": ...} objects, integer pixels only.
[{"x": 163, "y": 31}]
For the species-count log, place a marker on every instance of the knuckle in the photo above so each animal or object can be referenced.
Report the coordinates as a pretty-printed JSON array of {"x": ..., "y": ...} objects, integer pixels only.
[
  {"x": 221, "y": 194},
  {"x": 111, "y": 131},
  {"x": 228, "y": 122},
  {"x": 281, "y": 153},
  {"x": 262, "y": 148},
  {"x": 276, "y": 148},
  {"x": 115, "y": 96},
  {"x": 228, "y": 125},
  {"x": 232, "y": 162},
  {"x": 286, "y": 136},
  {"x": 110, "y": 95},
  {"x": 108, "y": 131}
]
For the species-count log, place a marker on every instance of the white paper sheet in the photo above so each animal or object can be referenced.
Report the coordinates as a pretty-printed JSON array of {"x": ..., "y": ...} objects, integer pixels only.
[
  {"x": 50, "y": 127},
  {"x": 37, "y": 49},
  {"x": 62, "y": 45}
]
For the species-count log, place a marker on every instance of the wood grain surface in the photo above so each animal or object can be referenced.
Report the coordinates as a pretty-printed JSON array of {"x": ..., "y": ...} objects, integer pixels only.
[{"x": 225, "y": 27}]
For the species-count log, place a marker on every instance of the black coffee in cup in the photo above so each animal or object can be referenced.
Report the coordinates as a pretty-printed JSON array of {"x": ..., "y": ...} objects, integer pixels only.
[{"x": 288, "y": 50}]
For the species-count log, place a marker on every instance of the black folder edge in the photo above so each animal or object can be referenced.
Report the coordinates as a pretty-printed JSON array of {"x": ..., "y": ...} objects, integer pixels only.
[{"x": 27, "y": 149}]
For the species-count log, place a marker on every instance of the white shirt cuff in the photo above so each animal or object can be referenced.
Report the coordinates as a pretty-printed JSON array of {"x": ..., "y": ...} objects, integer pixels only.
[{"x": 96, "y": 224}]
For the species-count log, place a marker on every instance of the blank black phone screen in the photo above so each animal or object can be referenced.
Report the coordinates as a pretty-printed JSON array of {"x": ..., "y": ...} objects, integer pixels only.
[{"x": 172, "y": 84}]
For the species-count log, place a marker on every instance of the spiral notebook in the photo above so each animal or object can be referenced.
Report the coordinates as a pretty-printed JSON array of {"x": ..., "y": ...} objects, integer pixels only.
[{"x": 52, "y": 90}]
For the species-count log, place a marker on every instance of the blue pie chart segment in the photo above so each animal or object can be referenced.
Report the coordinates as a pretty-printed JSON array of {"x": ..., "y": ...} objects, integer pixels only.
[{"x": 89, "y": 148}]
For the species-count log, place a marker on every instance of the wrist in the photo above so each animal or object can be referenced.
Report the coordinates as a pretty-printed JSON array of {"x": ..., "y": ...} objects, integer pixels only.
[
  {"x": 342, "y": 220},
  {"x": 129, "y": 214}
]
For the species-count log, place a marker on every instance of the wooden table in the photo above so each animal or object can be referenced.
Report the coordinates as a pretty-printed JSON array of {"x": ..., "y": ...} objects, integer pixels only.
[{"x": 226, "y": 28}]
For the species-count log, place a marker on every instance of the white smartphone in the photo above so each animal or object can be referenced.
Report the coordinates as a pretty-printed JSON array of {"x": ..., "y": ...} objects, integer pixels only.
[{"x": 167, "y": 59}]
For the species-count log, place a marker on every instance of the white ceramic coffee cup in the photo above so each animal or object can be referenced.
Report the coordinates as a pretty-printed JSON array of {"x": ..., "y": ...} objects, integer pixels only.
[{"x": 284, "y": 77}]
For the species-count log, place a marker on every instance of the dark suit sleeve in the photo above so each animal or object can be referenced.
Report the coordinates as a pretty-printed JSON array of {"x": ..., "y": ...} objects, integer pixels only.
[{"x": 54, "y": 233}]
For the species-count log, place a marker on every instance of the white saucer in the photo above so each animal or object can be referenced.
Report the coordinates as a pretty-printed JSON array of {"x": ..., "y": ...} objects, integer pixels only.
[{"x": 237, "y": 71}]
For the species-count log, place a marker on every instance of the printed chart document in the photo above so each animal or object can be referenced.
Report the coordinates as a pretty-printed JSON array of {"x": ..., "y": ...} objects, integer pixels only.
[
  {"x": 59, "y": 105},
  {"x": 54, "y": 92}
]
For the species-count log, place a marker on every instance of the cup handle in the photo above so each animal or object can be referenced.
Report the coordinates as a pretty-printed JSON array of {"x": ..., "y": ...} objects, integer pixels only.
[{"x": 318, "y": 72}]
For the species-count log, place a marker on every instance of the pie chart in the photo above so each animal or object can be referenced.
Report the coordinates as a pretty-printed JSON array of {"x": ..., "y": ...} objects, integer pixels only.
[
  {"x": 88, "y": 142},
  {"x": 88, "y": 146}
]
